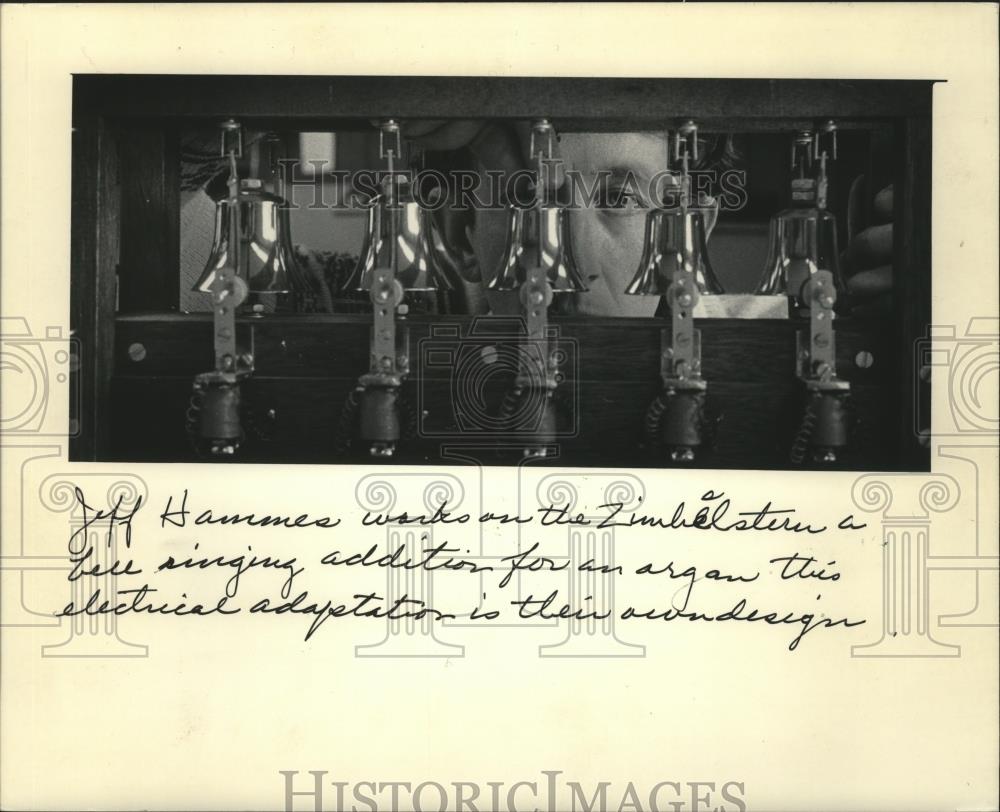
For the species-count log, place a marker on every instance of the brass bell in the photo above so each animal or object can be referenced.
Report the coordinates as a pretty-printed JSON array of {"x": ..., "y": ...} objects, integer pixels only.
[
  {"x": 401, "y": 234},
  {"x": 675, "y": 239},
  {"x": 419, "y": 253},
  {"x": 422, "y": 259},
  {"x": 802, "y": 242},
  {"x": 266, "y": 248},
  {"x": 803, "y": 237},
  {"x": 554, "y": 250}
]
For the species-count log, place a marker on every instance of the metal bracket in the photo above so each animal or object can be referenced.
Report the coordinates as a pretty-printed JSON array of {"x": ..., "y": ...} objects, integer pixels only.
[
  {"x": 229, "y": 289},
  {"x": 824, "y": 427},
  {"x": 816, "y": 357},
  {"x": 390, "y": 364},
  {"x": 536, "y": 296},
  {"x": 677, "y": 418},
  {"x": 680, "y": 357},
  {"x": 386, "y": 295}
]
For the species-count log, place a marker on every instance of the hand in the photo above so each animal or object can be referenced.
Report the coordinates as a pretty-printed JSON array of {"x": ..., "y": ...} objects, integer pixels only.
[{"x": 869, "y": 255}]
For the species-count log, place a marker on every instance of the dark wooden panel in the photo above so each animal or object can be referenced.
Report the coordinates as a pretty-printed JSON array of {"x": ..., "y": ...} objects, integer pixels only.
[
  {"x": 631, "y": 100},
  {"x": 307, "y": 365},
  {"x": 747, "y": 351},
  {"x": 94, "y": 237},
  {"x": 755, "y": 430},
  {"x": 150, "y": 219},
  {"x": 912, "y": 280}
]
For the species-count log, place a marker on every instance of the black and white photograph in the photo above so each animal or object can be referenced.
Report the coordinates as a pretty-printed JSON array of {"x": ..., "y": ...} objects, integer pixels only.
[
  {"x": 499, "y": 407},
  {"x": 710, "y": 273}
]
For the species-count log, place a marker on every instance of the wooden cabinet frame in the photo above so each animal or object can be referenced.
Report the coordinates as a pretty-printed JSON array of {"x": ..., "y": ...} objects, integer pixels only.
[{"x": 125, "y": 209}]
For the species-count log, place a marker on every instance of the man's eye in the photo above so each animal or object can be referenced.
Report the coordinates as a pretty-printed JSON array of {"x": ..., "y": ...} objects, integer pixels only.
[{"x": 625, "y": 198}]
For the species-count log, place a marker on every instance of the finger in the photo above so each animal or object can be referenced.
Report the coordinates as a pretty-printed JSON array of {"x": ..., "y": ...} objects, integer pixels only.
[
  {"x": 855, "y": 205},
  {"x": 883, "y": 209},
  {"x": 872, "y": 282},
  {"x": 872, "y": 247}
]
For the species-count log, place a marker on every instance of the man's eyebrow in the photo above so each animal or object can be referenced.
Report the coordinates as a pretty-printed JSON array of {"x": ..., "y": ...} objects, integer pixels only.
[{"x": 619, "y": 172}]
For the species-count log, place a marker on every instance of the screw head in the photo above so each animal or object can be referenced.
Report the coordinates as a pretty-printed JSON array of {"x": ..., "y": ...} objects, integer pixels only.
[{"x": 864, "y": 359}]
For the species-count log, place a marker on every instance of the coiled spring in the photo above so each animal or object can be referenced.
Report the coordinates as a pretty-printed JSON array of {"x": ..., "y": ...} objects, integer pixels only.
[
  {"x": 654, "y": 420},
  {"x": 652, "y": 424},
  {"x": 804, "y": 435},
  {"x": 192, "y": 418}
]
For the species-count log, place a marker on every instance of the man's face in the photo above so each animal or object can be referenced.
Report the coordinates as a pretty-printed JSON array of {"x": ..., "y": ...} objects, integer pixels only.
[{"x": 607, "y": 242}]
